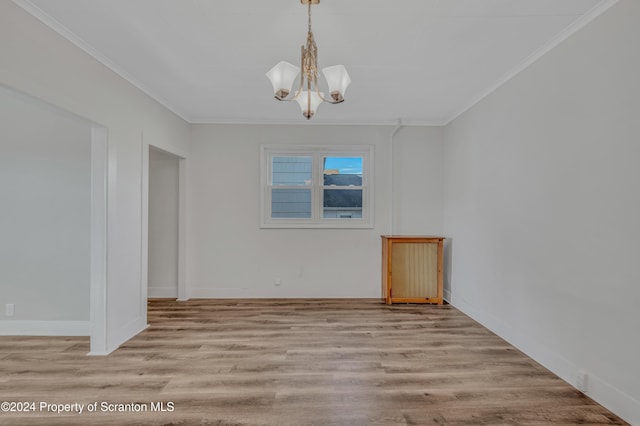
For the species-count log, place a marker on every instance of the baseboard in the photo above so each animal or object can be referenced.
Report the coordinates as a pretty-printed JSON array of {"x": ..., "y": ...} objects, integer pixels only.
[
  {"x": 217, "y": 293},
  {"x": 162, "y": 292},
  {"x": 124, "y": 333},
  {"x": 599, "y": 390},
  {"x": 121, "y": 335},
  {"x": 277, "y": 293},
  {"x": 614, "y": 399},
  {"x": 44, "y": 328},
  {"x": 446, "y": 295}
]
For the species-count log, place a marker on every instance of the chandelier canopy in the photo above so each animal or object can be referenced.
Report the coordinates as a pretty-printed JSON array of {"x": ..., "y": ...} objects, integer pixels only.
[{"x": 308, "y": 95}]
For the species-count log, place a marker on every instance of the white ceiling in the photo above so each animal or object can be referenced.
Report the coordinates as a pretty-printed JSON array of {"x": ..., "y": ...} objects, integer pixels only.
[{"x": 419, "y": 61}]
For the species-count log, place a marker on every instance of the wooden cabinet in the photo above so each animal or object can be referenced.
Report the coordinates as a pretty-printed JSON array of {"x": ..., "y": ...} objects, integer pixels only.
[{"x": 412, "y": 269}]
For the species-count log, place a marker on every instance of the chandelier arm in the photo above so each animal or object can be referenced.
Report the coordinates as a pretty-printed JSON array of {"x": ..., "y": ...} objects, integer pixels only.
[
  {"x": 329, "y": 101},
  {"x": 293, "y": 98}
]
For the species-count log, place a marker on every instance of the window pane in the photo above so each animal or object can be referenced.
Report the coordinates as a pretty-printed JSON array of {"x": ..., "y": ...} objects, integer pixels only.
[
  {"x": 291, "y": 171},
  {"x": 342, "y": 204},
  {"x": 291, "y": 203},
  {"x": 342, "y": 171},
  {"x": 316, "y": 186}
]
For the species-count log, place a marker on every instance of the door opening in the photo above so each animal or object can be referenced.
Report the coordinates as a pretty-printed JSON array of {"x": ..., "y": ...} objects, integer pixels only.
[{"x": 163, "y": 223}]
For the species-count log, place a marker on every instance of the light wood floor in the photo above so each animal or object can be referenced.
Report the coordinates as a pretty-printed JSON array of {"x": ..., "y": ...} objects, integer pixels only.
[{"x": 294, "y": 362}]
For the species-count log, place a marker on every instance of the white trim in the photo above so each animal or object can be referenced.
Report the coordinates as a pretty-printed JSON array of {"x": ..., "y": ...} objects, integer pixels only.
[
  {"x": 218, "y": 293},
  {"x": 98, "y": 280},
  {"x": 182, "y": 155},
  {"x": 320, "y": 122},
  {"x": 98, "y": 225},
  {"x": 576, "y": 25},
  {"x": 45, "y": 328},
  {"x": 122, "y": 334},
  {"x": 247, "y": 294},
  {"x": 446, "y": 295},
  {"x": 163, "y": 292},
  {"x": 60, "y": 111},
  {"x": 600, "y": 391},
  {"x": 317, "y": 152},
  {"x": 58, "y": 27},
  {"x": 126, "y": 332},
  {"x": 183, "y": 292},
  {"x": 338, "y": 224},
  {"x": 144, "y": 227}
]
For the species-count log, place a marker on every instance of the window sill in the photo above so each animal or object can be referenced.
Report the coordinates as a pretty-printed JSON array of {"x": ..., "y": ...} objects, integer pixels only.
[{"x": 316, "y": 225}]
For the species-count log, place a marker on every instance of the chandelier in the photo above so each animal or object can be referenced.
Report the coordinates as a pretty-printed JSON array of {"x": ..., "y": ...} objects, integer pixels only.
[{"x": 308, "y": 95}]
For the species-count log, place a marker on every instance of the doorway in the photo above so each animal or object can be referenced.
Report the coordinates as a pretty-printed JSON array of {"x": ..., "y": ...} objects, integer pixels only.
[
  {"x": 164, "y": 202},
  {"x": 163, "y": 224}
]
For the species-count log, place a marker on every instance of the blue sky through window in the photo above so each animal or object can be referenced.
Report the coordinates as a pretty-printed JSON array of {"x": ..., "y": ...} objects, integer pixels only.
[{"x": 345, "y": 165}]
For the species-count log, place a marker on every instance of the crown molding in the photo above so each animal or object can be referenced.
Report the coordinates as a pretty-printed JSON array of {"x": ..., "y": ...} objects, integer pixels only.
[
  {"x": 58, "y": 27},
  {"x": 579, "y": 23},
  {"x": 576, "y": 25},
  {"x": 303, "y": 122}
]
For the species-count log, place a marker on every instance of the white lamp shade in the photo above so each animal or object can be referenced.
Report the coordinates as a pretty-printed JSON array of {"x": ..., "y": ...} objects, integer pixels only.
[
  {"x": 282, "y": 76},
  {"x": 337, "y": 78},
  {"x": 315, "y": 101}
]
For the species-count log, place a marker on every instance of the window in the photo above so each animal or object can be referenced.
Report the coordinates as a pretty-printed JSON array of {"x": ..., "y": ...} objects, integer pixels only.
[{"x": 316, "y": 187}]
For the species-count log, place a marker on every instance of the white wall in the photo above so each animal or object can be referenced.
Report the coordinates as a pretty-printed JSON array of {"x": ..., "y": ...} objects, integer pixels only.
[
  {"x": 542, "y": 209},
  {"x": 230, "y": 256},
  {"x": 45, "y": 175},
  {"x": 163, "y": 224},
  {"x": 38, "y": 61},
  {"x": 417, "y": 181}
]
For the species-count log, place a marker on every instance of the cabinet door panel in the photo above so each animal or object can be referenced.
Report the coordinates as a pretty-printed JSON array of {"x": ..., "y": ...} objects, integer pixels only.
[{"x": 414, "y": 270}]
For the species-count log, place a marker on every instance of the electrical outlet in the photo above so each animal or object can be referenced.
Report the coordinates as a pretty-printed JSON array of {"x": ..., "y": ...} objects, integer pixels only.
[
  {"x": 277, "y": 282},
  {"x": 582, "y": 382},
  {"x": 9, "y": 309}
]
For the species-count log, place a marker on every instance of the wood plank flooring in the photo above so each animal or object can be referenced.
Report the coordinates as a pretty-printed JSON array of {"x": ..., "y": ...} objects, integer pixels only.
[{"x": 292, "y": 362}]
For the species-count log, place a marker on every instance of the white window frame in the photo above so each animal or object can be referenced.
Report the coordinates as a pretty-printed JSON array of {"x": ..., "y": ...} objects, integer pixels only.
[{"x": 317, "y": 152}]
